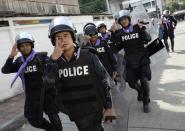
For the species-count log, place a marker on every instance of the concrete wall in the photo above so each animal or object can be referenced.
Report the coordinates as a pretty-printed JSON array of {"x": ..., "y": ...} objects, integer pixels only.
[
  {"x": 115, "y": 5},
  {"x": 40, "y": 34}
]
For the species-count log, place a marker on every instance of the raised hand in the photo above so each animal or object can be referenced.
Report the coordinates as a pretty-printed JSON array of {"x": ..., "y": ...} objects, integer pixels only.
[
  {"x": 113, "y": 27},
  {"x": 58, "y": 50},
  {"x": 86, "y": 39},
  {"x": 14, "y": 51}
]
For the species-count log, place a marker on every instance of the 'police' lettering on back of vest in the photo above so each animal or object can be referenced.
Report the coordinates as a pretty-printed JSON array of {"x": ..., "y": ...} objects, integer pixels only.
[
  {"x": 74, "y": 71},
  {"x": 130, "y": 36}
]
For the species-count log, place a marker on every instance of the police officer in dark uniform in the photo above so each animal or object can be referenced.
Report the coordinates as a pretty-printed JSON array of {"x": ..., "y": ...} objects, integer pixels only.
[
  {"x": 104, "y": 53},
  {"x": 102, "y": 29},
  {"x": 106, "y": 36},
  {"x": 30, "y": 68},
  {"x": 132, "y": 39},
  {"x": 83, "y": 92},
  {"x": 169, "y": 24}
]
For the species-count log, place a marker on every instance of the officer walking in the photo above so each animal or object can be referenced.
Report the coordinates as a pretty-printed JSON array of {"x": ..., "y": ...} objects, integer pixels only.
[
  {"x": 102, "y": 29},
  {"x": 30, "y": 68},
  {"x": 83, "y": 91},
  {"x": 105, "y": 54},
  {"x": 132, "y": 39},
  {"x": 169, "y": 24}
]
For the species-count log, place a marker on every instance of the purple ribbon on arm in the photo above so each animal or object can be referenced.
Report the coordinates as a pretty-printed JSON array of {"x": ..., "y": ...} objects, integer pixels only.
[
  {"x": 22, "y": 67},
  {"x": 129, "y": 29}
]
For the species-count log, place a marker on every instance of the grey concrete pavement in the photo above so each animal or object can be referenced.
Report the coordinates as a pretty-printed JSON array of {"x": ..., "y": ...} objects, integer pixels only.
[
  {"x": 67, "y": 125},
  {"x": 11, "y": 113}
]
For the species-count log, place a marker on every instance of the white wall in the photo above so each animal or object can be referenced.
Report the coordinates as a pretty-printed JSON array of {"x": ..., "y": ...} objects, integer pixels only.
[{"x": 40, "y": 34}]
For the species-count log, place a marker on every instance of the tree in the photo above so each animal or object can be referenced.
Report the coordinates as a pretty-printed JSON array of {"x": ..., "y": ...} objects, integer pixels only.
[
  {"x": 92, "y": 6},
  {"x": 174, "y": 6}
]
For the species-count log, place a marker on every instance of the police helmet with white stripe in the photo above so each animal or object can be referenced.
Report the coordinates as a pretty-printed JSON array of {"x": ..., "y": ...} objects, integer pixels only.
[
  {"x": 24, "y": 37},
  {"x": 61, "y": 24}
]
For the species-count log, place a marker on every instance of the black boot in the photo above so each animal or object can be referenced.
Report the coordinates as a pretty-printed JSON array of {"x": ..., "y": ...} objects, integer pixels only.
[
  {"x": 55, "y": 121},
  {"x": 137, "y": 87},
  {"x": 146, "y": 95},
  {"x": 42, "y": 124},
  {"x": 146, "y": 108},
  {"x": 139, "y": 96}
]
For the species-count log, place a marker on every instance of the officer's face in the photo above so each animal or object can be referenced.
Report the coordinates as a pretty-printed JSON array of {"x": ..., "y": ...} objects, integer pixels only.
[
  {"x": 94, "y": 38},
  {"x": 124, "y": 21},
  {"x": 65, "y": 40},
  {"x": 167, "y": 13},
  {"x": 102, "y": 30},
  {"x": 25, "y": 48}
]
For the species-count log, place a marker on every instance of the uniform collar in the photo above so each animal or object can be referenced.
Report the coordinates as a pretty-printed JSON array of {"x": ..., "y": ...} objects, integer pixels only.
[
  {"x": 128, "y": 29},
  {"x": 76, "y": 55},
  {"x": 96, "y": 44},
  {"x": 105, "y": 36}
]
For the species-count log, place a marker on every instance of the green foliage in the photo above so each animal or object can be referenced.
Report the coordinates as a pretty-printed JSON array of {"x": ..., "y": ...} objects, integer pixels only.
[
  {"x": 174, "y": 6},
  {"x": 92, "y": 6}
]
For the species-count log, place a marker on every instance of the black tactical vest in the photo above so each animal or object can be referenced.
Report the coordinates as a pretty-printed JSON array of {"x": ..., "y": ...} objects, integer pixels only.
[
  {"x": 33, "y": 78},
  {"x": 77, "y": 88},
  {"x": 103, "y": 55},
  {"x": 133, "y": 47}
]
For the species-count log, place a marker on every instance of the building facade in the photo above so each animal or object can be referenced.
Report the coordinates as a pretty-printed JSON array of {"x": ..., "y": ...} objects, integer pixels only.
[
  {"x": 150, "y": 5},
  {"x": 115, "y": 5},
  {"x": 39, "y": 7}
]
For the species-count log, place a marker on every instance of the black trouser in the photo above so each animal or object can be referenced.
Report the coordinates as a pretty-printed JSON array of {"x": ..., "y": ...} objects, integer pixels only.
[
  {"x": 91, "y": 122},
  {"x": 32, "y": 113},
  {"x": 142, "y": 87},
  {"x": 53, "y": 125},
  {"x": 138, "y": 79},
  {"x": 171, "y": 36}
]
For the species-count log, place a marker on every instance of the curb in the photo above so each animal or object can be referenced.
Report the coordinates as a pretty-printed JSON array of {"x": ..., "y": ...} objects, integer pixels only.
[
  {"x": 7, "y": 99},
  {"x": 13, "y": 124}
]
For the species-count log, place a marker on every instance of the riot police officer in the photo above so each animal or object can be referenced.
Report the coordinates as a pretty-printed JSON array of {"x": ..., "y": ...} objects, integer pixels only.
[
  {"x": 169, "y": 24},
  {"x": 30, "y": 68},
  {"x": 104, "y": 53},
  {"x": 132, "y": 39},
  {"x": 102, "y": 29},
  {"x": 83, "y": 93}
]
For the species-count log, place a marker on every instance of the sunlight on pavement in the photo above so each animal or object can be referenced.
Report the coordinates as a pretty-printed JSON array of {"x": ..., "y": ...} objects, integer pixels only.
[{"x": 169, "y": 107}]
